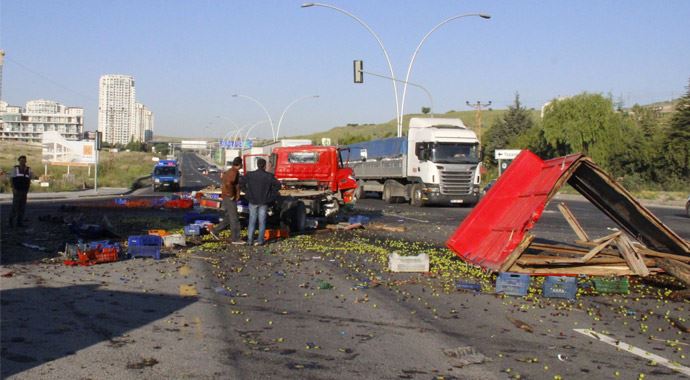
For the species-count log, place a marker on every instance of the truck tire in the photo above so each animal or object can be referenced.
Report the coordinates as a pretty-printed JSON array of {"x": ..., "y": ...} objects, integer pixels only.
[
  {"x": 359, "y": 192},
  {"x": 387, "y": 195},
  {"x": 416, "y": 195},
  {"x": 298, "y": 217}
]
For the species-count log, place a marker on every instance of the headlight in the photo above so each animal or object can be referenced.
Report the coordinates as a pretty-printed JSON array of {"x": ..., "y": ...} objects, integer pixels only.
[
  {"x": 157, "y": 180},
  {"x": 176, "y": 180}
]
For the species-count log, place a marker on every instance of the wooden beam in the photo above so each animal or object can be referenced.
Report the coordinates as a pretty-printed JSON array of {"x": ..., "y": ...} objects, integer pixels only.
[
  {"x": 631, "y": 256},
  {"x": 599, "y": 248},
  {"x": 604, "y": 238},
  {"x": 590, "y": 270},
  {"x": 676, "y": 269},
  {"x": 540, "y": 260},
  {"x": 517, "y": 252},
  {"x": 571, "y": 250},
  {"x": 574, "y": 224}
]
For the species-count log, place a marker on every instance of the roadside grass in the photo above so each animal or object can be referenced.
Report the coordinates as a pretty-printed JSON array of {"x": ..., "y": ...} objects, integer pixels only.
[{"x": 114, "y": 170}]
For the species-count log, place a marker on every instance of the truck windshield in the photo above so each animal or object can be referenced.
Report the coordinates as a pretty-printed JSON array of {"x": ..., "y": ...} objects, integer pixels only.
[
  {"x": 455, "y": 153},
  {"x": 164, "y": 170}
]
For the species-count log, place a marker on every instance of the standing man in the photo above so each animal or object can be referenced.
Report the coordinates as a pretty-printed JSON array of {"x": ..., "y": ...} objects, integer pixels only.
[
  {"x": 260, "y": 188},
  {"x": 21, "y": 181},
  {"x": 230, "y": 192}
]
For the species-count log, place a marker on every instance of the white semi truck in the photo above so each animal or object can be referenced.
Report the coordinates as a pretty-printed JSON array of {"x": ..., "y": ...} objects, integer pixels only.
[{"x": 437, "y": 163}]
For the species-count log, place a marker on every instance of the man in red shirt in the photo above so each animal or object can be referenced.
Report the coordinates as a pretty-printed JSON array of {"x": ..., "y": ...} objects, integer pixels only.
[{"x": 230, "y": 192}]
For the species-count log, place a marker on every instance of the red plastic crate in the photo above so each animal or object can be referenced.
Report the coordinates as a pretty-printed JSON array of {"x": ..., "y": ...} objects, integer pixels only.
[{"x": 107, "y": 255}]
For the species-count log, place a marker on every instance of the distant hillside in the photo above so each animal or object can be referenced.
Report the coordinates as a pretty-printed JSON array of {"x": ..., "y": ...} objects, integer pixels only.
[{"x": 363, "y": 132}]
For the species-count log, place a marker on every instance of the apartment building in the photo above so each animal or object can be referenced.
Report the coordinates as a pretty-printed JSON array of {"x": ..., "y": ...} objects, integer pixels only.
[
  {"x": 116, "y": 112},
  {"x": 28, "y": 124}
]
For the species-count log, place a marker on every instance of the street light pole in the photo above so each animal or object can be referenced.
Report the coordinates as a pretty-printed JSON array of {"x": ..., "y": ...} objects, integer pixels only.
[
  {"x": 383, "y": 48},
  {"x": 414, "y": 55},
  {"x": 280, "y": 121},
  {"x": 268, "y": 115},
  {"x": 246, "y": 135}
]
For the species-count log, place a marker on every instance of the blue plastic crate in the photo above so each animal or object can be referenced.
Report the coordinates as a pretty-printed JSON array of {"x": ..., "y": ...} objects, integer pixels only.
[
  {"x": 190, "y": 217},
  {"x": 560, "y": 287},
  {"x": 192, "y": 230},
  {"x": 145, "y": 245},
  {"x": 512, "y": 284},
  {"x": 358, "y": 219}
]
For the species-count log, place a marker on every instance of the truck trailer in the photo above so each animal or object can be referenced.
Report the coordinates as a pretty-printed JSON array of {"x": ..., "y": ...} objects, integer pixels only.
[{"x": 436, "y": 163}]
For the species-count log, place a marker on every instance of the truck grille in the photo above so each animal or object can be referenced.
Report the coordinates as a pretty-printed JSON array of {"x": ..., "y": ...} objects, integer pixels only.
[{"x": 456, "y": 182}]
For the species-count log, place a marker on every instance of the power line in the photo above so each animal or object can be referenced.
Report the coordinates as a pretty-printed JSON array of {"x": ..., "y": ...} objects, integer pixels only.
[{"x": 45, "y": 77}]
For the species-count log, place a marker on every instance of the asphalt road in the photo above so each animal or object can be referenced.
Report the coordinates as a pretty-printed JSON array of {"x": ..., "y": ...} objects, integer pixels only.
[{"x": 314, "y": 306}]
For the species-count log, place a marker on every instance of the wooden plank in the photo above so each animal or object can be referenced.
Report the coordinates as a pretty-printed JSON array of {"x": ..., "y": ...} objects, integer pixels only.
[
  {"x": 644, "y": 250},
  {"x": 574, "y": 224},
  {"x": 570, "y": 250},
  {"x": 604, "y": 238},
  {"x": 599, "y": 248},
  {"x": 631, "y": 256},
  {"x": 517, "y": 252},
  {"x": 535, "y": 260},
  {"x": 676, "y": 269},
  {"x": 590, "y": 270}
]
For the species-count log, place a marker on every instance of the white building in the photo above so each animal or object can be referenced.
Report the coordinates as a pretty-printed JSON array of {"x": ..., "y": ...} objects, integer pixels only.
[
  {"x": 40, "y": 116},
  {"x": 116, "y": 112},
  {"x": 143, "y": 121}
]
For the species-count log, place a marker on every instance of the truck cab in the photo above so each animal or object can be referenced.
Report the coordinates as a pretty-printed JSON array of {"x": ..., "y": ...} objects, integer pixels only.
[{"x": 166, "y": 175}]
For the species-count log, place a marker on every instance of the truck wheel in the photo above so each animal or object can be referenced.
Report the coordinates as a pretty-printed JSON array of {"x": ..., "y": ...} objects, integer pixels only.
[
  {"x": 416, "y": 195},
  {"x": 387, "y": 195},
  {"x": 359, "y": 192},
  {"x": 298, "y": 217}
]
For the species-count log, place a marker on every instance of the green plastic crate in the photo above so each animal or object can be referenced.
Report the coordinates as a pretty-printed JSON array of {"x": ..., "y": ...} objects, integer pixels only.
[{"x": 611, "y": 285}]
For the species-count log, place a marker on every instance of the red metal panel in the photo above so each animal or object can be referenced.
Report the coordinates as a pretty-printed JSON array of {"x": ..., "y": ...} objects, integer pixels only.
[{"x": 511, "y": 208}]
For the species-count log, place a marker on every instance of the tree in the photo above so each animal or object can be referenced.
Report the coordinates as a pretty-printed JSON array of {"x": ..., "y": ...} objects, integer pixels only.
[
  {"x": 585, "y": 123},
  {"x": 426, "y": 110},
  {"x": 506, "y": 130},
  {"x": 677, "y": 141}
]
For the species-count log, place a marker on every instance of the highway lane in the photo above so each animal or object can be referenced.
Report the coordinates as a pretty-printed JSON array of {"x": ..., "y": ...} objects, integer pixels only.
[{"x": 436, "y": 224}]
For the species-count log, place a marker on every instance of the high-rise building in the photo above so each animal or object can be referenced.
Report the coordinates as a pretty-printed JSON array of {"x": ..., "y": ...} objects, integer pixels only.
[
  {"x": 2, "y": 63},
  {"x": 143, "y": 120},
  {"x": 40, "y": 116},
  {"x": 116, "y": 112}
]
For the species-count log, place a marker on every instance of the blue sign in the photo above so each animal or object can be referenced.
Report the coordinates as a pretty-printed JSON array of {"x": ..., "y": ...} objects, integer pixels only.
[{"x": 237, "y": 144}]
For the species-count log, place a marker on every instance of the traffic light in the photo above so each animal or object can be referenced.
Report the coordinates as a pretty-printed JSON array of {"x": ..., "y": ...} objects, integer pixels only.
[
  {"x": 99, "y": 140},
  {"x": 359, "y": 71}
]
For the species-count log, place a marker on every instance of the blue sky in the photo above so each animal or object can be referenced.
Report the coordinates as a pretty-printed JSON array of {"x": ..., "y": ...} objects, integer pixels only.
[{"x": 188, "y": 57}]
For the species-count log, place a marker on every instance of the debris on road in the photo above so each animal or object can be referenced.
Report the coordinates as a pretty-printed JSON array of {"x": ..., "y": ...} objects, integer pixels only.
[
  {"x": 495, "y": 235},
  {"x": 418, "y": 263}
]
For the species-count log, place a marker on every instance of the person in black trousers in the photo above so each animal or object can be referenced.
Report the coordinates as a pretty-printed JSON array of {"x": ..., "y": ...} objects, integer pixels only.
[
  {"x": 21, "y": 182},
  {"x": 261, "y": 189}
]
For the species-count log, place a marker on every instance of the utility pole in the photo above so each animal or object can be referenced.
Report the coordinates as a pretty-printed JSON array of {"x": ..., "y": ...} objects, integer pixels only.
[{"x": 478, "y": 117}]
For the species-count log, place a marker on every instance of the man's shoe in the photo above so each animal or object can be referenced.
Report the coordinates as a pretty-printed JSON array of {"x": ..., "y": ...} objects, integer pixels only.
[
  {"x": 239, "y": 242},
  {"x": 213, "y": 234}
]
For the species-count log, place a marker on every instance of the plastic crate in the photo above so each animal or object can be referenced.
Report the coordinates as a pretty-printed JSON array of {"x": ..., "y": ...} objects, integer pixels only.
[
  {"x": 275, "y": 233},
  {"x": 358, "y": 219},
  {"x": 106, "y": 255},
  {"x": 170, "y": 241},
  {"x": 560, "y": 287},
  {"x": 160, "y": 233},
  {"x": 192, "y": 230},
  {"x": 145, "y": 245},
  {"x": 512, "y": 284},
  {"x": 190, "y": 217},
  {"x": 419, "y": 263},
  {"x": 611, "y": 285}
]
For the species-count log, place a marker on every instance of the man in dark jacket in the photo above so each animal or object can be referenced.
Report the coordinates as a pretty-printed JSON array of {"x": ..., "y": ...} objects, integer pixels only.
[
  {"x": 230, "y": 192},
  {"x": 21, "y": 181},
  {"x": 260, "y": 188}
]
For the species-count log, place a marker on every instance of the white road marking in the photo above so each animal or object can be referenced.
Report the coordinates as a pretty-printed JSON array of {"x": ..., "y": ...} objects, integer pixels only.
[
  {"x": 406, "y": 217},
  {"x": 635, "y": 351}
]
